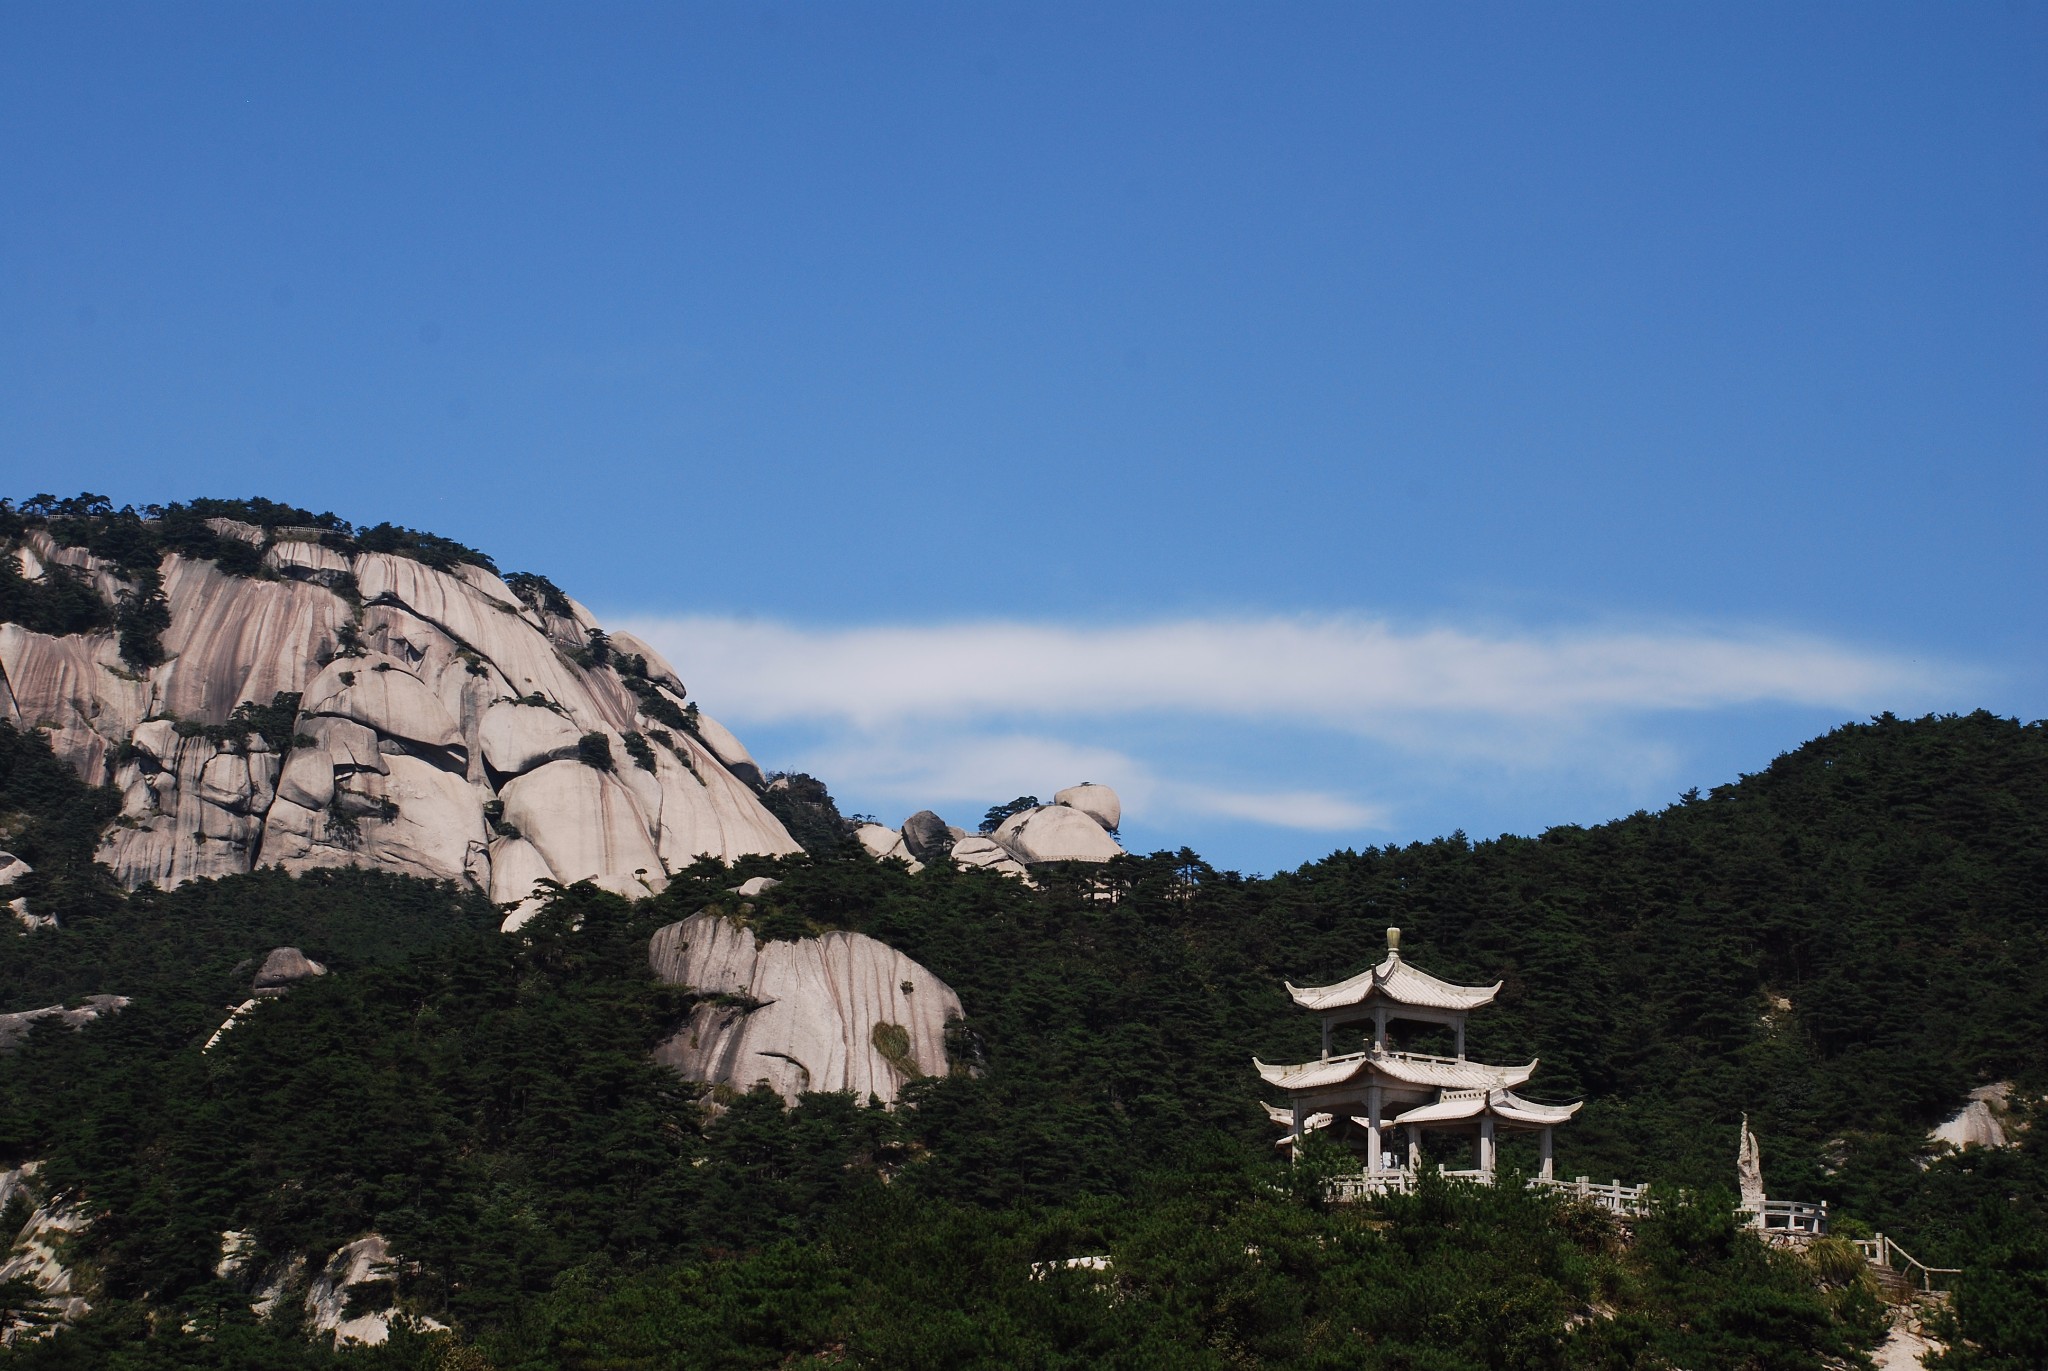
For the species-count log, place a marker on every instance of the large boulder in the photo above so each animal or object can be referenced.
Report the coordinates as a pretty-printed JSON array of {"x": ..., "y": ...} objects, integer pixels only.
[
  {"x": 838, "y": 1012},
  {"x": 884, "y": 844},
  {"x": 926, "y": 836},
  {"x": 975, "y": 852},
  {"x": 284, "y": 968},
  {"x": 1056, "y": 833},
  {"x": 1098, "y": 802}
]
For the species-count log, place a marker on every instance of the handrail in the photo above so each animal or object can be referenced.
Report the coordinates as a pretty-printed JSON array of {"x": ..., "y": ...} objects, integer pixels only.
[{"x": 1880, "y": 1250}]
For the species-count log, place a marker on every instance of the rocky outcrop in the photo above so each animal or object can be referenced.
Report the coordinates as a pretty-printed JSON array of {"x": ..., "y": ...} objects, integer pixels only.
[
  {"x": 284, "y": 968},
  {"x": 437, "y": 728},
  {"x": 1079, "y": 826},
  {"x": 12, "y": 869},
  {"x": 1054, "y": 833},
  {"x": 1980, "y": 1123},
  {"x": 366, "y": 1262},
  {"x": 885, "y": 844},
  {"x": 837, "y": 1012},
  {"x": 14, "y": 1027},
  {"x": 36, "y": 1253}
]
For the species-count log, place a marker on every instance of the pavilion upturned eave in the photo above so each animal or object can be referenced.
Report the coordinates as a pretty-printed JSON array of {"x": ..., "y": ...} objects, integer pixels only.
[
  {"x": 1396, "y": 983},
  {"x": 1503, "y": 1105},
  {"x": 1398, "y": 1068}
]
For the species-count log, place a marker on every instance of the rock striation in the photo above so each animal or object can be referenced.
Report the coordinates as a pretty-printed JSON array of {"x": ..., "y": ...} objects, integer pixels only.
[
  {"x": 393, "y": 715},
  {"x": 837, "y": 1012}
]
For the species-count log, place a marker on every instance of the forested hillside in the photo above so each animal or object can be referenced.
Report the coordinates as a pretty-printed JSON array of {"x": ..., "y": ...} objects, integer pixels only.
[{"x": 1841, "y": 945}]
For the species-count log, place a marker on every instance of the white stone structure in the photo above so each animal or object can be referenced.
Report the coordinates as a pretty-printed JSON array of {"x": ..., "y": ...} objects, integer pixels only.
[{"x": 1365, "y": 1094}]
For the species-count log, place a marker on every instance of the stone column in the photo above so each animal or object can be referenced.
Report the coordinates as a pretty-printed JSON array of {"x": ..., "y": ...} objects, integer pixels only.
[
  {"x": 1546, "y": 1154},
  {"x": 1372, "y": 1113},
  {"x": 1415, "y": 1147},
  {"x": 1486, "y": 1143}
]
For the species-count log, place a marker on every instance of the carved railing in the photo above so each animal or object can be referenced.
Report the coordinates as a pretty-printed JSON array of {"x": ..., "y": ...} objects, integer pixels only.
[
  {"x": 1630, "y": 1201},
  {"x": 1794, "y": 1219}
]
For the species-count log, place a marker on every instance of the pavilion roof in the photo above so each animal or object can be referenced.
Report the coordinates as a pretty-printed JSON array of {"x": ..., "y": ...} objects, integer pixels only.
[
  {"x": 1502, "y": 1104},
  {"x": 1393, "y": 979},
  {"x": 1410, "y": 1068}
]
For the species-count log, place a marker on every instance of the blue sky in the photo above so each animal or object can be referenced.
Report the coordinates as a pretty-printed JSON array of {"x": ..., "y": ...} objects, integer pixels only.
[{"x": 1331, "y": 424}]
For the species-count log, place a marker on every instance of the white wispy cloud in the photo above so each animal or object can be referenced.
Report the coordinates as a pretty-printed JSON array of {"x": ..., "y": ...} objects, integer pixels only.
[
  {"x": 955, "y": 712},
  {"x": 1346, "y": 673}
]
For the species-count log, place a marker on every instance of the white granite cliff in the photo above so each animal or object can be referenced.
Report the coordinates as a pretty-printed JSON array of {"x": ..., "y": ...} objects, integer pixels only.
[
  {"x": 440, "y": 731},
  {"x": 838, "y": 1012}
]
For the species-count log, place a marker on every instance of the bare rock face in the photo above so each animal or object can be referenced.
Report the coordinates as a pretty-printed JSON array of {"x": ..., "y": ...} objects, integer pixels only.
[
  {"x": 366, "y": 1261},
  {"x": 840, "y": 1012},
  {"x": 519, "y": 737},
  {"x": 1056, "y": 833},
  {"x": 1980, "y": 1123},
  {"x": 429, "y": 704}
]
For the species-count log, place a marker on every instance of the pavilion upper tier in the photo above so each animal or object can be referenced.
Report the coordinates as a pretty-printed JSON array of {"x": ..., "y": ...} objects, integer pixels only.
[{"x": 1393, "y": 982}]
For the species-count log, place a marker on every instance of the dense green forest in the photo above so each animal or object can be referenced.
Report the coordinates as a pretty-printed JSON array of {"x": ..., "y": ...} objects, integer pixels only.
[{"x": 1840, "y": 945}]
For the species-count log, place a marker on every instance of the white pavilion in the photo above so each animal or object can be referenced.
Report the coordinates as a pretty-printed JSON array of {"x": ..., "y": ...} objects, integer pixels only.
[{"x": 1364, "y": 1094}]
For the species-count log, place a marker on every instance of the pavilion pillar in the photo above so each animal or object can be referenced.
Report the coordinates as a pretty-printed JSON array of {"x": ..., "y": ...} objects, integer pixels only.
[
  {"x": 1547, "y": 1164},
  {"x": 1326, "y": 1037},
  {"x": 1294, "y": 1152},
  {"x": 1372, "y": 1114},
  {"x": 1414, "y": 1148},
  {"x": 1486, "y": 1143},
  {"x": 1379, "y": 1029},
  {"x": 1461, "y": 1037}
]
